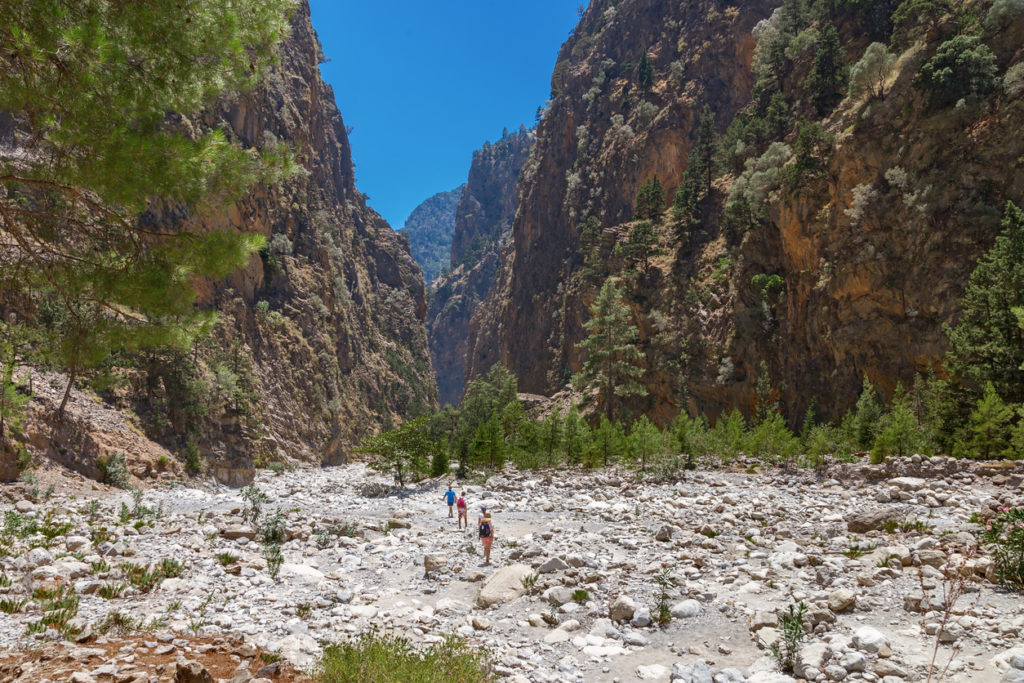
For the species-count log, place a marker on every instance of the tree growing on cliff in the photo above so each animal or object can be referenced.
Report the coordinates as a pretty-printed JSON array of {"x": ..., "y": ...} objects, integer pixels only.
[
  {"x": 650, "y": 200},
  {"x": 827, "y": 80},
  {"x": 645, "y": 72},
  {"x": 613, "y": 367},
  {"x": 95, "y": 94},
  {"x": 871, "y": 71}
]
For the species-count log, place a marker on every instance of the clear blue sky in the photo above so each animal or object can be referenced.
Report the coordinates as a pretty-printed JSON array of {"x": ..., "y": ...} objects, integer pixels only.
[{"x": 424, "y": 84}]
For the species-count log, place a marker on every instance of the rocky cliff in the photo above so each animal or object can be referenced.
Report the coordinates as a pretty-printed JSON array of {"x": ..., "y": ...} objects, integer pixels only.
[
  {"x": 867, "y": 252},
  {"x": 322, "y": 338},
  {"x": 429, "y": 231},
  {"x": 483, "y": 222}
]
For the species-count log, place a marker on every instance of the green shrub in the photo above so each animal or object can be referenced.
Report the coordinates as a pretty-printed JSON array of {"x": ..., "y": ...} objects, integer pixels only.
[
  {"x": 387, "y": 659},
  {"x": 962, "y": 66},
  {"x": 1003, "y": 536},
  {"x": 792, "y": 623},
  {"x": 114, "y": 470}
]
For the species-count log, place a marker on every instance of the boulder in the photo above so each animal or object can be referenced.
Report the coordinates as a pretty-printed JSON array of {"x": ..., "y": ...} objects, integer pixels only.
[
  {"x": 842, "y": 600},
  {"x": 555, "y": 564},
  {"x": 687, "y": 609},
  {"x": 650, "y": 672},
  {"x": 434, "y": 562},
  {"x": 870, "y": 640},
  {"x": 504, "y": 585},
  {"x": 622, "y": 609},
  {"x": 664, "y": 534},
  {"x": 558, "y": 595},
  {"x": 641, "y": 617},
  {"x": 871, "y": 520},
  {"x": 810, "y": 660},
  {"x": 698, "y": 672},
  {"x": 191, "y": 672}
]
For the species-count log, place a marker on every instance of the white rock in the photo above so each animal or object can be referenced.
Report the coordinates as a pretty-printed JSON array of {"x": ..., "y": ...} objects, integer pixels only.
[
  {"x": 651, "y": 672},
  {"x": 504, "y": 585},
  {"x": 687, "y": 609},
  {"x": 622, "y": 609},
  {"x": 868, "y": 639}
]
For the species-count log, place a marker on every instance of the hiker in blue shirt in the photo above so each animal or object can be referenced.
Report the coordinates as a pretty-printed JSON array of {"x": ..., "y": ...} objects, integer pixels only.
[{"x": 449, "y": 497}]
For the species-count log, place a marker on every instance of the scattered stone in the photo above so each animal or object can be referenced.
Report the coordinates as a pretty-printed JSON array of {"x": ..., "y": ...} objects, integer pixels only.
[
  {"x": 505, "y": 585},
  {"x": 697, "y": 672},
  {"x": 622, "y": 609},
  {"x": 870, "y": 640},
  {"x": 191, "y": 672},
  {"x": 434, "y": 562},
  {"x": 555, "y": 564},
  {"x": 687, "y": 609}
]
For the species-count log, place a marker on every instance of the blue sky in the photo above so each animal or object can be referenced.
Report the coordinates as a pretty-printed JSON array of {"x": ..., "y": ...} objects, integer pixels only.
[{"x": 424, "y": 84}]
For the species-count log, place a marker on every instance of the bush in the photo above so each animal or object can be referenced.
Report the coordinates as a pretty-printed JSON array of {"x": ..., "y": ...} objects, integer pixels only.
[
  {"x": 1002, "y": 14},
  {"x": 871, "y": 71},
  {"x": 1013, "y": 81},
  {"x": 387, "y": 658},
  {"x": 962, "y": 66},
  {"x": 114, "y": 470},
  {"x": 1003, "y": 536},
  {"x": 792, "y": 623}
]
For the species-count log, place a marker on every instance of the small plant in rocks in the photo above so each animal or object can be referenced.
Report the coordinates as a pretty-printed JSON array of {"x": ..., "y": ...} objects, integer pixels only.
[
  {"x": 387, "y": 658},
  {"x": 226, "y": 559},
  {"x": 581, "y": 595},
  {"x": 530, "y": 583},
  {"x": 254, "y": 499},
  {"x": 272, "y": 554},
  {"x": 662, "y": 611},
  {"x": 1003, "y": 537},
  {"x": 792, "y": 624}
]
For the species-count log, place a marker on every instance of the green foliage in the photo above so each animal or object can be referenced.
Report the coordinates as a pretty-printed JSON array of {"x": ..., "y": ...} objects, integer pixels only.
[
  {"x": 114, "y": 470},
  {"x": 866, "y": 415},
  {"x": 871, "y": 71},
  {"x": 613, "y": 366},
  {"x": 914, "y": 19},
  {"x": 254, "y": 499},
  {"x": 988, "y": 427},
  {"x": 13, "y": 396},
  {"x": 1003, "y": 536},
  {"x": 1002, "y": 14},
  {"x": 645, "y": 441},
  {"x": 760, "y": 177},
  {"x": 701, "y": 159},
  {"x": 391, "y": 659},
  {"x": 489, "y": 444},
  {"x": 961, "y": 67},
  {"x": 791, "y": 623},
  {"x": 404, "y": 451},
  {"x": 987, "y": 343},
  {"x": 95, "y": 90},
  {"x": 650, "y": 200},
  {"x": 645, "y": 72},
  {"x": 439, "y": 463},
  {"x": 576, "y": 434},
  {"x": 274, "y": 559},
  {"x": 641, "y": 245},
  {"x": 899, "y": 433},
  {"x": 826, "y": 82},
  {"x": 768, "y": 285},
  {"x": 607, "y": 442}
]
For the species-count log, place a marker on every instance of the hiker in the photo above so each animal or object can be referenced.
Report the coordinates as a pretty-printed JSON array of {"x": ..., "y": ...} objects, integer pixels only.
[
  {"x": 449, "y": 497},
  {"x": 485, "y": 528},
  {"x": 463, "y": 509}
]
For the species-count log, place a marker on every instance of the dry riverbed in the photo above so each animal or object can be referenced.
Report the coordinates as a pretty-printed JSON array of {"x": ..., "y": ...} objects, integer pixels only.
[{"x": 868, "y": 550}]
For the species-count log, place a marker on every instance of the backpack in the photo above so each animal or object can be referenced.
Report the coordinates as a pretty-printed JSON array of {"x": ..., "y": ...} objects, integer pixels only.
[
  {"x": 461, "y": 504},
  {"x": 485, "y": 529}
]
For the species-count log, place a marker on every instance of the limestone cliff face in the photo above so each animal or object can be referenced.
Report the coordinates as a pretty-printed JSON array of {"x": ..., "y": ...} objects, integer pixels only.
[
  {"x": 483, "y": 221},
  {"x": 321, "y": 339},
  {"x": 868, "y": 283}
]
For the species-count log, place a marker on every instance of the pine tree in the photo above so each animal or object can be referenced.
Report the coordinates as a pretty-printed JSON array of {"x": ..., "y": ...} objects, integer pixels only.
[
  {"x": 576, "y": 435},
  {"x": 703, "y": 153},
  {"x": 645, "y": 441},
  {"x": 613, "y": 366},
  {"x": 645, "y": 72},
  {"x": 987, "y": 343},
  {"x": 650, "y": 200},
  {"x": 90, "y": 88},
  {"x": 489, "y": 443},
  {"x": 866, "y": 415},
  {"x": 405, "y": 451},
  {"x": 989, "y": 426},
  {"x": 607, "y": 441},
  {"x": 551, "y": 436},
  {"x": 827, "y": 80},
  {"x": 641, "y": 245},
  {"x": 899, "y": 433}
]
